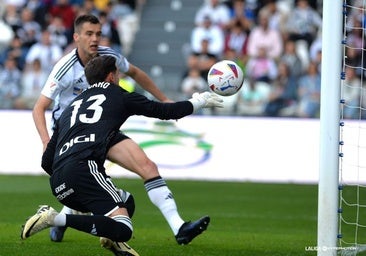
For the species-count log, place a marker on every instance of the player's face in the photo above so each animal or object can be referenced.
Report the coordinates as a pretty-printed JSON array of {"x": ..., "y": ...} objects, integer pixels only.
[{"x": 88, "y": 39}]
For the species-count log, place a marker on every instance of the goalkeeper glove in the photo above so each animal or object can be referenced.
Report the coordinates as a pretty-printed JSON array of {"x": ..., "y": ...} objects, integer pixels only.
[{"x": 206, "y": 100}]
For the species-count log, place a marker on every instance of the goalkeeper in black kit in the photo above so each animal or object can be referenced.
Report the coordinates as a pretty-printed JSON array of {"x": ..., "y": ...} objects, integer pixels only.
[{"x": 76, "y": 153}]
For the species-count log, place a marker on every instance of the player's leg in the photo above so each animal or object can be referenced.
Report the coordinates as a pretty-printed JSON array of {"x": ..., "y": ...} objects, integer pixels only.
[
  {"x": 117, "y": 227},
  {"x": 130, "y": 156},
  {"x": 112, "y": 230},
  {"x": 57, "y": 233},
  {"x": 86, "y": 188}
]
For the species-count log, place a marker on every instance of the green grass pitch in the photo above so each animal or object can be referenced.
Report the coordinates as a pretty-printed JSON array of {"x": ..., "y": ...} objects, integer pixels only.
[{"x": 246, "y": 219}]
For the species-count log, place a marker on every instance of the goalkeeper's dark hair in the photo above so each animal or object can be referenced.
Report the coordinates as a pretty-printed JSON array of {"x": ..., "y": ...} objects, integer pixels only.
[
  {"x": 99, "y": 67},
  {"x": 80, "y": 20}
]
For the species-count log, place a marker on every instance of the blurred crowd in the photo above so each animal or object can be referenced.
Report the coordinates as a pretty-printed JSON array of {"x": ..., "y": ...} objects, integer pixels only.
[
  {"x": 35, "y": 34},
  {"x": 276, "y": 42}
]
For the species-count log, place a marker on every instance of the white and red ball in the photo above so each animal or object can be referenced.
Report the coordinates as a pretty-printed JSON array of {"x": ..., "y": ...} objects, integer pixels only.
[{"x": 225, "y": 78}]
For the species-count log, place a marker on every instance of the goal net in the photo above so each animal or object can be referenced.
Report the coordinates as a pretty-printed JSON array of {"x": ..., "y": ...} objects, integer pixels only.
[{"x": 352, "y": 155}]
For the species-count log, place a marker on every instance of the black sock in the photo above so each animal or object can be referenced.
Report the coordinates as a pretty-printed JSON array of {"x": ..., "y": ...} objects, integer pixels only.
[{"x": 99, "y": 225}]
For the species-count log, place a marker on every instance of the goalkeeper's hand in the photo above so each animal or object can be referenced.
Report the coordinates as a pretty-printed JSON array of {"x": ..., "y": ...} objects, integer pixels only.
[{"x": 206, "y": 100}]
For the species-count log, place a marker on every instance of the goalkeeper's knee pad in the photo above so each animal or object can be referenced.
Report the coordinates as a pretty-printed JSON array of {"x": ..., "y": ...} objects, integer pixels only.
[
  {"x": 130, "y": 205},
  {"x": 128, "y": 200}
]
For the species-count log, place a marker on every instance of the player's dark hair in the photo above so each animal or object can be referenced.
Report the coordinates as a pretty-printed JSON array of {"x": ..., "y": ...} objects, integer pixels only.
[
  {"x": 99, "y": 67},
  {"x": 80, "y": 20}
]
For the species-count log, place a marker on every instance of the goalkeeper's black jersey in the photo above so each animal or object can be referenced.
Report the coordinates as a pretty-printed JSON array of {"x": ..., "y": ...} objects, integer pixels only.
[{"x": 86, "y": 126}]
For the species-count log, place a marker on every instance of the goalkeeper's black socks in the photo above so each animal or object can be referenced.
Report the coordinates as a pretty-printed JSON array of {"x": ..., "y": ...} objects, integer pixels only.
[{"x": 118, "y": 228}]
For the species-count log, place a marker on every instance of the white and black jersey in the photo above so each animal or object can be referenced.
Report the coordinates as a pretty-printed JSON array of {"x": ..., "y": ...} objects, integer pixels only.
[
  {"x": 86, "y": 126},
  {"x": 67, "y": 79}
]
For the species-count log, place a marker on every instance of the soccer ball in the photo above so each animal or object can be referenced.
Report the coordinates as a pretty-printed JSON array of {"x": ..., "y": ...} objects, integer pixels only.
[{"x": 225, "y": 78}]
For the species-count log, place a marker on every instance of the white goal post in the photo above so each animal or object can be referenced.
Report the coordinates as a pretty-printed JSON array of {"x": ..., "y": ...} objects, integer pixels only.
[{"x": 329, "y": 127}]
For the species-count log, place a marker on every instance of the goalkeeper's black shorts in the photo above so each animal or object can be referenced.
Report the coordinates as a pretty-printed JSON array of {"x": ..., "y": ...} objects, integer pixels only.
[{"x": 85, "y": 187}]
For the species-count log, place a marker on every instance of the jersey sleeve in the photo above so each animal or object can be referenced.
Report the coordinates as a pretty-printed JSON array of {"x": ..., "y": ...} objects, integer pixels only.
[
  {"x": 121, "y": 61},
  {"x": 138, "y": 104},
  {"x": 122, "y": 64},
  {"x": 54, "y": 83},
  {"x": 52, "y": 86}
]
